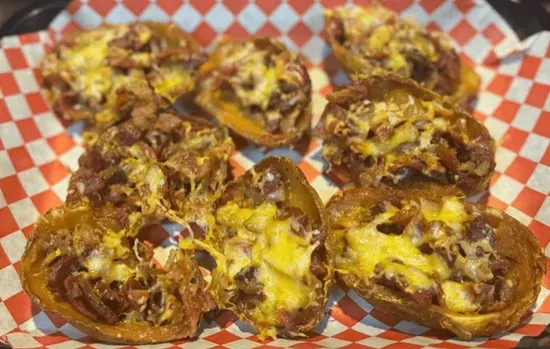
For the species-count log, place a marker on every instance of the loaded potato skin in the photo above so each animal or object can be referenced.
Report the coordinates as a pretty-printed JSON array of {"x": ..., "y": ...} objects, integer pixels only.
[
  {"x": 79, "y": 264},
  {"x": 373, "y": 40},
  {"x": 87, "y": 72},
  {"x": 271, "y": 250},
  {"x": 257, "y": 88},
  {"x": 169, "y": 167},
  {"x": 428, "y": 257},
  {"x": 387, "y": 131}
]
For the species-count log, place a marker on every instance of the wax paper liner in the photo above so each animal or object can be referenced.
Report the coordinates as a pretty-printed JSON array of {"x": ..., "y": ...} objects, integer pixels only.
[{"x": 38, "y": 151}]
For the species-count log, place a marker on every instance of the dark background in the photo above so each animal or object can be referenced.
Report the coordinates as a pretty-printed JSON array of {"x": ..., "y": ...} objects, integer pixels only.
[{"x": 526, "y": 17}]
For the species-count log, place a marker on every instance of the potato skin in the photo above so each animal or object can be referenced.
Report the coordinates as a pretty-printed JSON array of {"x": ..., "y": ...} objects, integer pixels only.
[
  {"x": 519, "y": 243},
  {"x": 234, "y": 117},
  {"x": 174, "y": 37},
  {"x": 33, "y": 279},
  {"x": 304, "y": 197},
  {"x": 356, "y": 65},
  {"x": 373, "y": 89}
]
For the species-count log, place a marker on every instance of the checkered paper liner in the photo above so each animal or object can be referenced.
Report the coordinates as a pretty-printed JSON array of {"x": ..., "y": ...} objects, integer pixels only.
[{"x": 38, "y": 152}]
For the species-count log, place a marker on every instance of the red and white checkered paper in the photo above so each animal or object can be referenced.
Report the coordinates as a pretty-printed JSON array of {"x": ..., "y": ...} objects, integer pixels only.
[{"x": 38, "y": 152}]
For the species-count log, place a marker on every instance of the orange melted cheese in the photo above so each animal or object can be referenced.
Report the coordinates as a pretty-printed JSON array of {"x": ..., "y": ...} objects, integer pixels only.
[{"x": 371, "y": 253}]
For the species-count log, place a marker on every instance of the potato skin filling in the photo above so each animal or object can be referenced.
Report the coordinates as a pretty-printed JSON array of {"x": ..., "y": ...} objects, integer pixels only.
[
  {"x": 87, "y": 73},
  {"x": 174, "y": 168},
  {"x": 80, "y": 264}
]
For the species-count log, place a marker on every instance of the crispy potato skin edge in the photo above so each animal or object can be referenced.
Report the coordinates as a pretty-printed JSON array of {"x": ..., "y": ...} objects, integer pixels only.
[{"x": 524, "y": 246}]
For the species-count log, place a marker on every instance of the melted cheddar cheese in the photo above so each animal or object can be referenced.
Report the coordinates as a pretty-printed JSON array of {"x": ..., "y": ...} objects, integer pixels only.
[
  {"x": 369, "y": 248},
  {"x": 401, "y": 118},
  {"x": 281, "y": 257},
  {"x": 244, "y": 86},
  {"x": 371, "y": 254},
  {"x": 279, "y": 260},
  {"x": 452, "y": 213},
  {"x": 171, "y": 81},
  {"x": 143, "y": 170},
  {"x": 456, "y": 297},
  {"x": 87, "y": 63},
  {"x": 395, "y": 131},
  {"x": 102, "y": 265}
]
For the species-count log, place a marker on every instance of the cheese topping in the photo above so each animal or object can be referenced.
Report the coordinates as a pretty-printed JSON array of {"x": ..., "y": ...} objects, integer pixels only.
[
  {"x": 369, "y": 248},
  {"x": 452, "y": 213},
  {"x": 423, "y": 255},
  {"x": 86, "y": 61},
  {"x": 389, "y": 139},
  {"x": 174, "y": 174},
  {"x": 143, "y": 170},
  {"x": 171, "y": 81},
  {"x": 457, "y": 297},
  {"x": 102, "y": 265},
  {"x": 383, "y": 129},
  {"x": 281, "y": 259},
  {"x": 95, "y": 64}
]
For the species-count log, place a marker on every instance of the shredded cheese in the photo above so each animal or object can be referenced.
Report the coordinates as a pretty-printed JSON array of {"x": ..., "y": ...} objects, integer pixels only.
[
  {"x": 371, "y": 248},
  {"x": 282, "y": 259},
  {"x": 371, "y": 254}
]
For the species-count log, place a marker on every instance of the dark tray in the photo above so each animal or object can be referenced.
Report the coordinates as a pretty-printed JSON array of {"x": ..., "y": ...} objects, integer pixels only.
[{"x": 29, "y": 16}]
